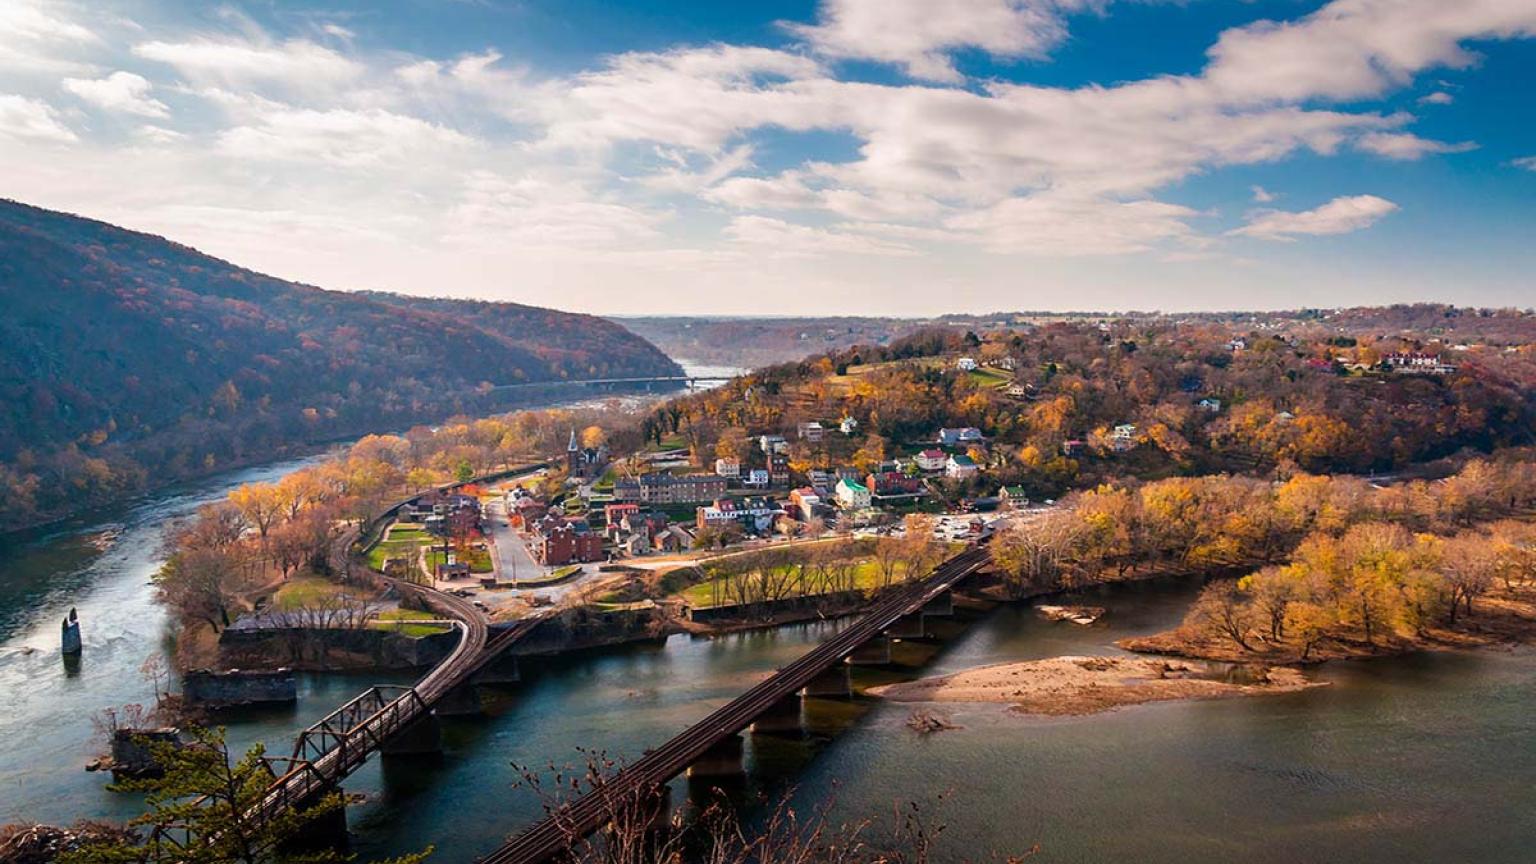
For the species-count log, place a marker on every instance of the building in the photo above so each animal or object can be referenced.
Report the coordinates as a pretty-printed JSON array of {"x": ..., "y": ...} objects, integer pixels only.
[
  {"x": 557, "y": 541},
  {"x": 669, "y": 488},
  {"x": 1123, "y": 437},
  {"x": 848, "y": 426},
  {"x": 1417, "y": 363},
  {"x": 613, "y": 514},
  {"x": 960, "y": 466},
  {"x": 893, "y": 484},
  {"x": 811, "y": 432},
  {"x": 966, "y": 364},
  {"x": 584, "y": 462},
  {"x": 728, "y": 467},
  {"x": 1071, "y": 446},
  {"x": 852, "y": 495},
  {"x": 757, "y": 478},
  {"x": 1010, "y": 497},
  {"x": 1210, "y": 404},
  {"x": 931, "y": 460},
  {"x": 771, "y": 444},
  {"x": 778, "y": 469},
  {"x": 805, "y": 500},
  {"x": 754, "y": 515},
  {"x": 962, "y": 435}
]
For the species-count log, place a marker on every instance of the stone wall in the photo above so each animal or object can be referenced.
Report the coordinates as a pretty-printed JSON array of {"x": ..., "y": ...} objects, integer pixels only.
[
  {"x": 239, "y": 687},
  {"x": 586, "y": 628},
  {"x": 332, "y": 650}
]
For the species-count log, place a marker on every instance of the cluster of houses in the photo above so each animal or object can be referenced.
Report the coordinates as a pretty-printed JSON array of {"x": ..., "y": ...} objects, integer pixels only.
[{"x": 1416, "y": 363}]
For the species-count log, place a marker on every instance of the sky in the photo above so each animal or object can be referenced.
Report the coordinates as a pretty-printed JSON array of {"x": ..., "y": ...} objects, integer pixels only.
[{"x": 870, "y": 157}]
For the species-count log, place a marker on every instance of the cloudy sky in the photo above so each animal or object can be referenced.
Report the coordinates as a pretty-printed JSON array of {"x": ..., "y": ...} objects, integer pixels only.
[{"x": 851, "y": 156}]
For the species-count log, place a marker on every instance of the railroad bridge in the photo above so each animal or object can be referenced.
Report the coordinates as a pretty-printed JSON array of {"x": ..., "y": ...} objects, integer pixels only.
[
  {"x": 715, "y": 740},
  {"x": 386, "y": 720}
]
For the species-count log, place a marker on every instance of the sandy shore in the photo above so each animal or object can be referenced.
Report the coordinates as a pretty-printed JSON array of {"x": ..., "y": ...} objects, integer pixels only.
[{"x": 1086, "y": 685}]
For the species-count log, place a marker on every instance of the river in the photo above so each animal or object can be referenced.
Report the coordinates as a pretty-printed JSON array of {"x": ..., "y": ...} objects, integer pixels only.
[{"x": 1430, "y": 757}]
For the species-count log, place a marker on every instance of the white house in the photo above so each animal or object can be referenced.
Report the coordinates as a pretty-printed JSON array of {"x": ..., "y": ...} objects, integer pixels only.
[
  {"x": 1123, "y": 437},
  {"x": 852, "y": 494},
  {"x": 966, "y": 364},
  {"x": 962, "y": 435},
  {"x": 728, "y": 466},
  {"x": 811, "y": 431},
  {"x": 960, "y": 467},
  {"x": 772, "y": 444},
  {"x": 1211, "y": 404},
  {"x": 757, "y": 477},
  {"x": 848, "y": 426},
  {"x": 931, "y": 460}
]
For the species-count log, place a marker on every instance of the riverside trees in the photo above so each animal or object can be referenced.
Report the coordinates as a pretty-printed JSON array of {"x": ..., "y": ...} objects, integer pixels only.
[{"x": 1360, "y": 559}]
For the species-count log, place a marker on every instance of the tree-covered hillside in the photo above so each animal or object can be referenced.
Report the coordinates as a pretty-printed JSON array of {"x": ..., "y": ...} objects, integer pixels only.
[{"x": 127, "y": 360}]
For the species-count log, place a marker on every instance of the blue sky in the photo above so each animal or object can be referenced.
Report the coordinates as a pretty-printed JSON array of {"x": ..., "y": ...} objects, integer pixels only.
[{"x": 902, "y": 157}]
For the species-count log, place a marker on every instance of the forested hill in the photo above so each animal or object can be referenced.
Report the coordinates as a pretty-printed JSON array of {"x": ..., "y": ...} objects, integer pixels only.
[{"x": 127, "y": 360}]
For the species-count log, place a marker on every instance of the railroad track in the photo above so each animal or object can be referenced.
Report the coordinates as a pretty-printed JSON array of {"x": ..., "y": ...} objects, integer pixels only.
[{"x": 551, "y": 836}]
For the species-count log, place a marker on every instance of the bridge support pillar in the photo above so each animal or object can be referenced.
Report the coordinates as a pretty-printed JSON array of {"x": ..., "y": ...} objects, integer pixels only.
[
  {"x": 834, "y": 681},
  {"x": 781, "y": 717},
  {"x": 875, "y": 652},
  {"x": 461, "y": 701},
  {"x": 502, "y": 670},
  {"x": 424, "y": 737},
  {"x": 908, "y": 627},
  {"x": 942, "y": 605},
  {"x": 721, "y": 760},
  {"x": 322, "y": 831}
]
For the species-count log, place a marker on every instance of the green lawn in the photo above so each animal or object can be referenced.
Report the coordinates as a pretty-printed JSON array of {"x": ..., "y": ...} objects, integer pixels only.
[
  {"x": 399, "y": 621},
  {"x": 304, "y": 592},
  {"x": 990, "y": 377},
  {"x": 866, "y": 577}
]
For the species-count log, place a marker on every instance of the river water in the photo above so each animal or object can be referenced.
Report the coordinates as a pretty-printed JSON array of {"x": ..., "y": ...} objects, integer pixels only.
[{"x": 1431, "y": 757}]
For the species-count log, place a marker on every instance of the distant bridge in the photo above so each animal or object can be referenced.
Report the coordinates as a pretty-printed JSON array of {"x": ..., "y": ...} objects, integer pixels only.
[
  {"x": 689, "y": 381},
  {"x": 550, "y": 837}
]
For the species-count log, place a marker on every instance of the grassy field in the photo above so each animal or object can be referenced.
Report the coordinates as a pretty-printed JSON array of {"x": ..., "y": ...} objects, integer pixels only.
[
  {"x": 306, "y": 591},
  {"x": 994, "y": 378},
  {"x": 399, "y": 621},
  {"x": 701, "y": 596}
]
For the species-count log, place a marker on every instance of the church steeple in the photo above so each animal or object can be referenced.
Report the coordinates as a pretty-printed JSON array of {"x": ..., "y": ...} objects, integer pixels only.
[{"x": 572, "y": 447}]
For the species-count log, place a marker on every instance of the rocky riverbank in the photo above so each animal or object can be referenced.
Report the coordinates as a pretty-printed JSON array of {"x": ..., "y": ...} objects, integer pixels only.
[{"x": 1073, "y": 685}]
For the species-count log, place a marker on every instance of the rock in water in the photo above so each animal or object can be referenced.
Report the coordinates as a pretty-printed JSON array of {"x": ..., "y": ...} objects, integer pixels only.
[{"x": 1083, "y": 615}]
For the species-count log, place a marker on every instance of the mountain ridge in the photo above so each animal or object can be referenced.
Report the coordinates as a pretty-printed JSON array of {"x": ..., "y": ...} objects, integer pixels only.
[{"x": 128, "y": 360}]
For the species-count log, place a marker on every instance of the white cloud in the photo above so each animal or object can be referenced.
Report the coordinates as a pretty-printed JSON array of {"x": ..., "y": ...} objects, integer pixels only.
[
  {"x": 683, "y": 178},
  {"x": 21, "y": 117},
  {"x": 565, "y": 169},
  {"x": 121, "y": 91},
  {"x": 918, "y": 34},
  {"x": 232, "y": 62},
  {"x": 535, "y": 211},
  {"x": 1353, "y": 49},
  {"x": 1439, "y": 97},
  {"x": 1405, "y": 146},
  {"x": 777, "y": 238},
  {"x": 43, "y": 38},
  {"x": 1053, "y": 224},
  {"x": 1526, "y": 162},
  {"x": 344, "y": 138},
  {"x": 1340, "y": 216}
]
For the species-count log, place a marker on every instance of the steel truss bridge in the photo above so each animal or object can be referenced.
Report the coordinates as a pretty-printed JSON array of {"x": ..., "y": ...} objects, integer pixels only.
[{"x": 549, "y": 838}]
